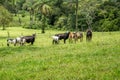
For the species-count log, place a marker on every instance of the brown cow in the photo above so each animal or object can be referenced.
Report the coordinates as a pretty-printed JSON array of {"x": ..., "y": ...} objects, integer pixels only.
[
  {"x": 72, "y": 36},
  {"x": 80, "y": 36}
]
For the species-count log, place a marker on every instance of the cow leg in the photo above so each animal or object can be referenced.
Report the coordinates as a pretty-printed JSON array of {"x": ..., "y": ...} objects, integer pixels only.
[
  {"x": 76, "y": 39},
  {"x": 81, "y": 39},
  {"x": 31, "y": 43},
  {"x": 7, "y": 44},
  {"x": 58, "y": 42},
  {"x": 15, "y": 44},
  {"x": 89, "y": 38},
  {"x": 55, "y": 42},
  {"x": 64, "y": 41},
  {"x": 21, "y": 44},
  {"x": 69, "y": 40}
]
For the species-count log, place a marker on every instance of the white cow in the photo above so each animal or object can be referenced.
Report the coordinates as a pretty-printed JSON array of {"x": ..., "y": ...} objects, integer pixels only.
[{"x": 55, "y": 39}]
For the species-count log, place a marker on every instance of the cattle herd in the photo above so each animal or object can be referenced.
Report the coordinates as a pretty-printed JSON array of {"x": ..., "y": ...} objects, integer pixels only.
[
  {"x": 21, "y": 40},
  {"x": 72, "y": 36}
]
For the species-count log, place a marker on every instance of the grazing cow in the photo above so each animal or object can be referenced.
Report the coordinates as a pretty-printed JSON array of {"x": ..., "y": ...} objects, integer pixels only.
[
  {"x": 72, "y": 36},
  {"x": 23, "y": 41},
  {"x": 63, "y": 36},
  {"x": 55, "y": 39},
  {"x": 80, "y": 36},
  {"x": 14, "y": 41},
  {"x": 28, "y": 39},
  {"x": 18, "y": 40},
  {"x": 88, "y": 35},
  {"x": 11, "y": 41}
]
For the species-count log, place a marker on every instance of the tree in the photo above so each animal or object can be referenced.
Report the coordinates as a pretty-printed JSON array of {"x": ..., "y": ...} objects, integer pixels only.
[
  {"x": 76, "y": 13},
  {"x": 5, "y": 17},
  {"x": 87, "y": 9},
  {"x": 107, "y": 16},
  {"x": 45, "y": 10},
  {"x": 10, "y": 5},
  {"x": 28, "y": 6}
]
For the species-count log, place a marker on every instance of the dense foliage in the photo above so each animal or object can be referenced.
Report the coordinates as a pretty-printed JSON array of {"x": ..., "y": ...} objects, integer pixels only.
[
  {"x": 108, "y": 17},
  {"x": 5, "y": 17},
  {"x": 100, "y": 15}
]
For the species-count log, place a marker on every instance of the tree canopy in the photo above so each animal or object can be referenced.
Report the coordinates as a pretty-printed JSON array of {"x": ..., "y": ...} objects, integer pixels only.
[
  {"x": 99, "y": 15},
  {"x": 5, "y": 17}
]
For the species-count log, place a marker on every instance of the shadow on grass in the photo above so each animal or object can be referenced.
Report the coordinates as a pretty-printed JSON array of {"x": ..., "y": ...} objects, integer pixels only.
[
  {"x": 18, "y": 49},
  {"x": 3, "y": 37}
]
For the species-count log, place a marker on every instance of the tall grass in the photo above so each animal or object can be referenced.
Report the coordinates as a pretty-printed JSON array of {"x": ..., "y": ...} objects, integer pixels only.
[{"x": 96, "y": 60}]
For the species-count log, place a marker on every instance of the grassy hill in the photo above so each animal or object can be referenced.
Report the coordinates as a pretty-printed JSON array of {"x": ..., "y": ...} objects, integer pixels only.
[{"x": 96, "y": 60}]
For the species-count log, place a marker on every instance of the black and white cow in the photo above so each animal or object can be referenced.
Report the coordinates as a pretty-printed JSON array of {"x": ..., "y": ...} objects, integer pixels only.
[
  {"x": 63, "y": 36},
  {"x": 14, "y": 41},
  {"x": 28, "y": 39}
]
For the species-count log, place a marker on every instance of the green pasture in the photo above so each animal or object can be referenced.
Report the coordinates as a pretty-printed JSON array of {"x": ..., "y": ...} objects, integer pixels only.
[{"x": 95, "y": 60}]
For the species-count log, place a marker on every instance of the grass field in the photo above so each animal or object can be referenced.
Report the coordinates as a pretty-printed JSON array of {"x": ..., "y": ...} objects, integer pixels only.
[{"x": 96, "y": 60}]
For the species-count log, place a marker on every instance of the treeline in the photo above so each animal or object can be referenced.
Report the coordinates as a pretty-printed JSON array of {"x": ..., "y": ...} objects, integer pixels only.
[{"x": 99, "y": 15}]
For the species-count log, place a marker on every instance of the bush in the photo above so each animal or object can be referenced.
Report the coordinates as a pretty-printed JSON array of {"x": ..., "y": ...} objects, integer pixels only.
[
  {"x": 34, "y": 26},
  {"x": 109, "y": 25}
]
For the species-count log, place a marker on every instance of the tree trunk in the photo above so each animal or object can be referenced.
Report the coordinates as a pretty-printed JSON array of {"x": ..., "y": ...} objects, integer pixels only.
[
  {"x": 76, "y": 21},
  {"x": 43, "y": 24},
  {"x": 19, "y": 20},
  {"x": 43, "y": 30},
  {"x": 8, "y": 34},
  {"x": 3, "y": 27},
  {"x": 31, "y": 17}
]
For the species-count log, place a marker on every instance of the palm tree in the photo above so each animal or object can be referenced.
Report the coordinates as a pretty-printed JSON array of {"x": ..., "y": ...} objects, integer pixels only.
[
  {"x": 29, "y": 6},
  {"x": 74, "y": 6},
  {"x": 45, "y": 11}
]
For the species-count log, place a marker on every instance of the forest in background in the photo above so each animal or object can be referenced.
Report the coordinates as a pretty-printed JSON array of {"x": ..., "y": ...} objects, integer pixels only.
[{"x": 99, "y": 15}]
